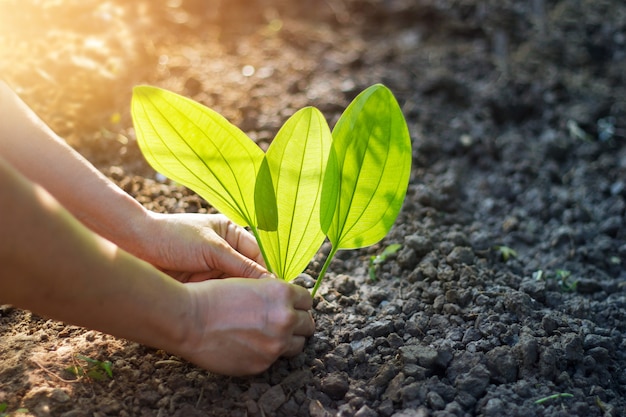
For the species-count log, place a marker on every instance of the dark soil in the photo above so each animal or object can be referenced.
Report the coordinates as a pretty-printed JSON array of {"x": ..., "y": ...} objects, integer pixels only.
[{"x": 517, "y": 114}]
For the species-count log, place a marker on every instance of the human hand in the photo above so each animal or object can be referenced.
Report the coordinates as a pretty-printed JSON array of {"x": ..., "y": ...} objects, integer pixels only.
[
  {"x": 194, "y": 247},
  {"x": 241, "y": 326}
]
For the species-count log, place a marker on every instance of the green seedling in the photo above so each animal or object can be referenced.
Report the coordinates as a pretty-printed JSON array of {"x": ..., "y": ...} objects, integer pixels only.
[
  {"x": 95, "y": 369},
  {"x": 5, "y": 413},
  {"x": 506, "y": 253},
  {"x": 377, "y": 260},
  {"x": 563, "y": 278},
  {"x": 554, "y": 397},
  {"x": 347, "y": 185}
]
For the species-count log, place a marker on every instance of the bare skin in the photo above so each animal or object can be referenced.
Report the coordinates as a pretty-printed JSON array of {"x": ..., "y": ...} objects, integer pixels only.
[{"x": 76, "y": 248}]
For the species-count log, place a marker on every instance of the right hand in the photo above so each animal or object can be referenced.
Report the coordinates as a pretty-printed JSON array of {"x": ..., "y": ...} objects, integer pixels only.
[{"x": 241, "y": 326}]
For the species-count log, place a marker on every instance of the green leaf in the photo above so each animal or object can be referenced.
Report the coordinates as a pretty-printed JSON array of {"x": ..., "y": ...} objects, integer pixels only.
[
  {"x": 389, "y": 250},
  {"x": 296, "y": 159},
  {"x": 265, "y": 199},
  {"x": 368, "y": 170},
  {"x": 198, "y": 148}
]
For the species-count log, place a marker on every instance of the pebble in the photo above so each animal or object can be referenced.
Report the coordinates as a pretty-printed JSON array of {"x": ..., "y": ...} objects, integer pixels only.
[
  {"x": 502, "y": 364},
  {"x": 344, "y": 285},
  {"x": 272, "y": 399},
  {"x": 475, "y": 382},
  {"x": 407, "y": 258},
  {"x": 379, "y": 328},
  {"x": 461, "y": 255},
  {"x": 420, "y": 244},
  {"x": 365, "y": 411},
  {"x": 335, "y": 385},
  {"x": 424, "y": 356}
]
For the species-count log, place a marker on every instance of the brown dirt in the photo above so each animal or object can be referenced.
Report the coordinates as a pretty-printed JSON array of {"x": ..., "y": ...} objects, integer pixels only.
[{"x": 516, "y": 110}]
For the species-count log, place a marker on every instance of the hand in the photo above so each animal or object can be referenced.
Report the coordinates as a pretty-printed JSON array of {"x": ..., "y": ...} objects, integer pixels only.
[
  {"x": 241, "y": 326},
  {"x": 194, "y": 247}
]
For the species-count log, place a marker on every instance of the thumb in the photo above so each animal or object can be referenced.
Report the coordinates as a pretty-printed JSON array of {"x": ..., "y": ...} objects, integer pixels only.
[{"x": 234, "y": 264}]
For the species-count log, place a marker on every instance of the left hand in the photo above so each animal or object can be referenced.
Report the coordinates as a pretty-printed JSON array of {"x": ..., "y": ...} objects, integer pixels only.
[{"x": 193, "y": 247}]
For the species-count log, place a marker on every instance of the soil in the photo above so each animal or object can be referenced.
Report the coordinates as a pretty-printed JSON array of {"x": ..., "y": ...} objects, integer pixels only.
[{"x": 508, "y": 296}]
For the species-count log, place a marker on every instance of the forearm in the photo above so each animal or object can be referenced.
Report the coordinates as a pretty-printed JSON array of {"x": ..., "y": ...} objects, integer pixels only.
[
  {"x": 56, "y": 267},
  {"x": 39, "y": 154}
]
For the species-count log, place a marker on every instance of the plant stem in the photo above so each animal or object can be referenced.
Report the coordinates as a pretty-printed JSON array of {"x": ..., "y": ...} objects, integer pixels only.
[
  {"x": 553, "y": 397},
  {"x": 262, "y": 249},
  {"x": 329, "y": 258}
]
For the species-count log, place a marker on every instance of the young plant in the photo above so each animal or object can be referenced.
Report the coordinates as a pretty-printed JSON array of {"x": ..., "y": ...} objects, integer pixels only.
[
  {"x": 377, "y": 260},
  {"x": 95, "y": 369},
  {"x": 347, "y": 185}
]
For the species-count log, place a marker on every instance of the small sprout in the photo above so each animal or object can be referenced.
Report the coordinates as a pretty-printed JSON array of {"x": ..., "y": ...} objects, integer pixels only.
[
  {"x": 562, "y": 276},
  {"x": 554, "y": 397},
  {"x": 506, "y": 253},
  {"x": 565, "y": 283},
  {"x": 577, "y": 132},
  {"x": 4, "y": 407},
  {"x": 95, "y": 369},
  {"x": 376, "y": 260},
  {"x": 601, "y": 404}
]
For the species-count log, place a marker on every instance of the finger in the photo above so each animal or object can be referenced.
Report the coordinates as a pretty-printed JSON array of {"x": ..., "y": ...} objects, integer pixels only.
[
  {"x": 234, "y": 264},
  {"x": 305, "y": 325},
  {"x": 302, "y": 298},
  {"x": 296, "y": 345},
  {"x": 243, "y": 242}
]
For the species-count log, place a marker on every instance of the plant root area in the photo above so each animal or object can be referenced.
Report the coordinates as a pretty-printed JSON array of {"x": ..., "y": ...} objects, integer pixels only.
[{"x": 508, "y": 296}]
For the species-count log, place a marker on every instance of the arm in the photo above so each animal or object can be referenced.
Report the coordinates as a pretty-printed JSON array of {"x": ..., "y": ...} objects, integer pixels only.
[
  {"x": 28, "y": 144},
  {"x": 188, "y": 247},
  {"x": 56, "y": 267}
]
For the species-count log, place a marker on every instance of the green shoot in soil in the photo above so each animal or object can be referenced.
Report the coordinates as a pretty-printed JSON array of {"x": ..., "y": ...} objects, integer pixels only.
[
  {"x": 347, "y": 185},
  {"x": 506, "y": 253},
  {"x": 561, "y": 276},
  {"x": 376, "y": 260},
  {"x": 554, "y": 397},
  {"x": 4, "y": 407},
  {"x": 95, "y": 369}
]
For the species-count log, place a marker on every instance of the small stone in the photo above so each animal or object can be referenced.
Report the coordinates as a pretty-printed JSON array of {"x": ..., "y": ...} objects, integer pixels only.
[
  {"x": 421, "y": 245},
  {"x": 549, "y": 325},
  {"x": 495, "y": 407},
  {"x": 594, "y": 340},
  {"x": 365, "y": 411},
  {"x": 407, "y": 258},
  {"x": 272, "y": 399},
  {"x": 502, "y": 364},
  {"x": 435, "y": 401},
  {"x": 528, "y": 350},
  {"x": 424, "y": 356},
  {"x": 461, "y": 255},
  {"x": 475, "y": 382},
  {"x": 335, "y": 385},
  {"x": 379, "y": 328},
  {"x": 304, "y": 280},
  {"x": 316, "y": 409},
  {"x": 344, "y": 284}
]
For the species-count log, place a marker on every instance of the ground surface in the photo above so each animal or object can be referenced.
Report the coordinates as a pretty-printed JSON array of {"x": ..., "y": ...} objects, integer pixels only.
[{"x": 516, "y": 110}]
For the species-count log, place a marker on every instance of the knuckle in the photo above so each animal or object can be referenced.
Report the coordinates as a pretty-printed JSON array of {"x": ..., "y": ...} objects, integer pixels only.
[
  {"x": 281, "y": 290},
  {"x": 275, "y": 349},
  {"x": 284, "y": 320}
]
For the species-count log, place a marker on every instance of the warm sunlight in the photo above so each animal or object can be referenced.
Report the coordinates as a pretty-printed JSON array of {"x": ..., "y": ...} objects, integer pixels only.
[{"x": 64, "y": 55}]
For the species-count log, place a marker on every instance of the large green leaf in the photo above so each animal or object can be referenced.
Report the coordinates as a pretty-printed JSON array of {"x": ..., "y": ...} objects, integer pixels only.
[
  {"x": 368, "y": 170},
  {"x": 197, "y": 147},
  {"x": 297, "y": 159}
]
